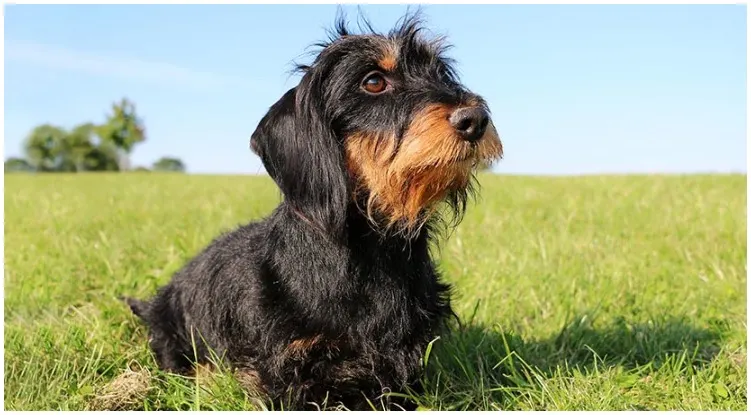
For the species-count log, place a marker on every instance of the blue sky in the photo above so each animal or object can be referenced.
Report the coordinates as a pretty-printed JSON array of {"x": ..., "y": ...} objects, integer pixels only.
[{"x": 572, "y": 89}]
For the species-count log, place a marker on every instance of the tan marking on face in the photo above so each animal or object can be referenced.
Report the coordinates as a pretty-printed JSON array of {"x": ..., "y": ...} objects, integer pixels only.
[
  {"x": 406, "y": 187},
  {"x": 389, "y": 57}
]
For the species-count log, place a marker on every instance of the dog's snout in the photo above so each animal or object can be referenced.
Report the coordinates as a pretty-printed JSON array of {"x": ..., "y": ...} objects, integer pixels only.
[{"x": 470, "y": 122}]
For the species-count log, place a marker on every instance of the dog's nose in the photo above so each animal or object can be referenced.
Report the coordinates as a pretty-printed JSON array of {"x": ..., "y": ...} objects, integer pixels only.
[{"x": 470, "y": 122}]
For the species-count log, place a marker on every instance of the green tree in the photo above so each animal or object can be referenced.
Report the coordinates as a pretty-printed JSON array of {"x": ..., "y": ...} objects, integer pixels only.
[
  {"x": 49, "y": 148},
  {"x": 90, "y": 152},
  {"x": 75, "y": 148},
  {"x": 15, "y": 164},
  {"x": 87, "y": 147},
  {"x": 169, "y": 164},
  {"x": 123, "y": 129},
  {"x": 103, "y": 157},
  {"x": 41, "y": 147}
]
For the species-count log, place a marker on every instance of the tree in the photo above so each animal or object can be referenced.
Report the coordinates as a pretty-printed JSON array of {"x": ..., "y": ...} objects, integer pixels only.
[
  {"x": 123, "y": 129},
  {"x": 41, "y": 147},
  {"x": 87, "y": 147},
  {"x": 169, "y": 164},
  {"x": 49, "y": 148},
  {"x": 15, "y": 164},
  {"x": 103, "y": 157},
  {"x": 75, "y": 148}
]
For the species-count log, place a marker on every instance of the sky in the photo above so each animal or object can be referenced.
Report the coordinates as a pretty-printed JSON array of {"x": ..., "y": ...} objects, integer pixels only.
[{"x": 572, "y": 89}]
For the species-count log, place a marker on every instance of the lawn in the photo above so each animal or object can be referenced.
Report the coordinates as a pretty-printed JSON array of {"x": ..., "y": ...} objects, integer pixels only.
[{"x": 597, "y": 293}]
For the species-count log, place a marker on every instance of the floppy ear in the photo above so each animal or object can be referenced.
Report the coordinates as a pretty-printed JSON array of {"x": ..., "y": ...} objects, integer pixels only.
[{"x": 301, "y": 153}]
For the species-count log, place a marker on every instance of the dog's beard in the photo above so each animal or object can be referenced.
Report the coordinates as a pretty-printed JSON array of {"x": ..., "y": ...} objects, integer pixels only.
[{"x": 401, "y": 187}]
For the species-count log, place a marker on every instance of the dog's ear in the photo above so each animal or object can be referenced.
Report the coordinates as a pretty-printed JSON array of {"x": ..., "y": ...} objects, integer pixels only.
[
  {"x": 276, "y": 126},
  {"x": 303, "y": 156}
]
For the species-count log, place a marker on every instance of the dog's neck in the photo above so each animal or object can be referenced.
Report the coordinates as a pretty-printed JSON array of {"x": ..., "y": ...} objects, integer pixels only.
[
  {"x": 306, "y": 219},
  {"x": 336, "y": 278},
  {"x": 362, "y": 231},
  {"x": 360, "y": 244},
  {"x": 360, "y": 228}
]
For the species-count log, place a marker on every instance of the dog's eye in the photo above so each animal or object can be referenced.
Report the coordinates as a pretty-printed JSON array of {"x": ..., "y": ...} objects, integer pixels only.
[{"x": 375, "y": 83}]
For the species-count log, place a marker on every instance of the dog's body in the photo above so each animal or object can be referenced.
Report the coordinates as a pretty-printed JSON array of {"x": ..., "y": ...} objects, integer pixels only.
[
  {"x": 334, "y": 296},
  {"x": 261, "y": 284}
]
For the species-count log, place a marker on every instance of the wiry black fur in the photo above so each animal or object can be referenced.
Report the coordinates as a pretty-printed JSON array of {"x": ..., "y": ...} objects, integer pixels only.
[{"x": 315, "y": 268}]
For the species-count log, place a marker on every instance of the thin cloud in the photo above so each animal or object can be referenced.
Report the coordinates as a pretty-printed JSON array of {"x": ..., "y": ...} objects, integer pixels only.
[{"x": 161, "y": 73}]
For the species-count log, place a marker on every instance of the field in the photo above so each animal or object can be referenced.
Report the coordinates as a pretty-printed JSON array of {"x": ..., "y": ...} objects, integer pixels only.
[{"x": 597, "y": 293}]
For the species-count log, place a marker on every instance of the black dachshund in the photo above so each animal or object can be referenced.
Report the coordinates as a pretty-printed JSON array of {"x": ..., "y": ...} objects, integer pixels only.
[{"x": 334, "y": 297}]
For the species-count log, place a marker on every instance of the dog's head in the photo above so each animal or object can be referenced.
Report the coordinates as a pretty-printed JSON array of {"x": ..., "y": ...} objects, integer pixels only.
[{"x": 380, "y": 122}]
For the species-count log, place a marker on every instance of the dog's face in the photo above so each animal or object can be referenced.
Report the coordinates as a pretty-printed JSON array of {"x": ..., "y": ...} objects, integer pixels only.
[{"x": 380, "y": 121}]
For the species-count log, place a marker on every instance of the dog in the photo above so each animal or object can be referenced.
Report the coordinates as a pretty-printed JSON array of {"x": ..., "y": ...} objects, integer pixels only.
[{"x": 334, "y": 296}]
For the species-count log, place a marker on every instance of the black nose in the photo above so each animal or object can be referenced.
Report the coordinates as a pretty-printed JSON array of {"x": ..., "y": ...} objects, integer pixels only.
[{"x": 470, "y": 122}]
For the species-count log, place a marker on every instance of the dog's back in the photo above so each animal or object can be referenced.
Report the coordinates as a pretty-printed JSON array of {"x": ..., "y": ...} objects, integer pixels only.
[{"x": 203, "y": 303}]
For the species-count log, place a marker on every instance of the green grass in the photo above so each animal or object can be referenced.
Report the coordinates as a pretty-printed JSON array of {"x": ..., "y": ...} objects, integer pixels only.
[{"x": 576, "y": 293}]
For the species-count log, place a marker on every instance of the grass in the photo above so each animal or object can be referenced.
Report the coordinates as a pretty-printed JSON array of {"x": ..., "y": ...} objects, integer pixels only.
[{"x": 599, "y": 293}]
